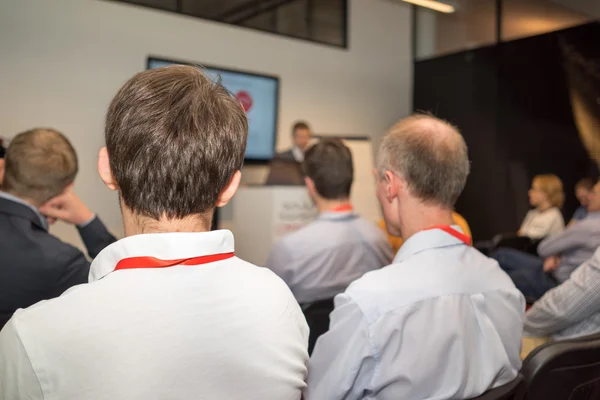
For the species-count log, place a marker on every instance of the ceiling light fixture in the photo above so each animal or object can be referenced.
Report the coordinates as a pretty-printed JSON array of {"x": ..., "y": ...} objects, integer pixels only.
[{"x": 434, "y": 5}]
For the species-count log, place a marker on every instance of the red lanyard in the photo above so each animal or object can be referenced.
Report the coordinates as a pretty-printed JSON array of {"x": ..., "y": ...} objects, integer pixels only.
[
  {"x": 451, "y": 231},
  {"x": 152, "y": 262},
  {"x": 342, "y": 208}
]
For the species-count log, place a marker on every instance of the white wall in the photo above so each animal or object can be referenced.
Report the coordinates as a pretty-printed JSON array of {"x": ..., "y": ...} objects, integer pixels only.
[{"x": 61, "y": 61}]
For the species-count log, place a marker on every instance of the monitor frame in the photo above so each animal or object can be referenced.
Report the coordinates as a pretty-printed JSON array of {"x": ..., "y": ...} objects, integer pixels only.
[{"x": 259, "y": 161}]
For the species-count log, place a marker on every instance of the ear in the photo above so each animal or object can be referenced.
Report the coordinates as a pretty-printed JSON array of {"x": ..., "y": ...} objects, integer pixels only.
[
  {"x": 310, "y": 186},
  {"x": 394, "y": 185},
  {"x": 227, "y": 193},
  {"x": 105, "y": 171}
]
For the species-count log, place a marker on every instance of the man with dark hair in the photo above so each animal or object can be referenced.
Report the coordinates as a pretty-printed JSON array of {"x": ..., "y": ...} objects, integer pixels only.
[
  {"x": 583, "y": 189},
  {"x": 442, "y": 321},
  {"x": 321, "y": 259},
  {"x": 41, "y": 166},
  {"x": 301, "y": 135},
  {"x": 169, "y": 312}
]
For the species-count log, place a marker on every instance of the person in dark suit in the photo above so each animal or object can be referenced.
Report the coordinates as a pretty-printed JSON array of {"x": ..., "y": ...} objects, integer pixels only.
[
  {"x": 301, "y": 135},
  {"x": 40, "y": 167}
]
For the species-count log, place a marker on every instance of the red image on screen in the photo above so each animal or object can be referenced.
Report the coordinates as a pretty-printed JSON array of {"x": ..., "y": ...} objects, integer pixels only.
[{"x": 245, "y": 99}]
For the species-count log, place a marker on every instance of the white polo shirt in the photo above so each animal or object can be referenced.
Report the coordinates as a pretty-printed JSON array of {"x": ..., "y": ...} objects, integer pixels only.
[
  {"x": 442, "y": 322},
  {"x": 219, "y": 330}
]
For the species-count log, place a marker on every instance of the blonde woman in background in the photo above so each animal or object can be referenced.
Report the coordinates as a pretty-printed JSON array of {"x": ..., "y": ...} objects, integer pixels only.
[{"x": 547, "y": 196}]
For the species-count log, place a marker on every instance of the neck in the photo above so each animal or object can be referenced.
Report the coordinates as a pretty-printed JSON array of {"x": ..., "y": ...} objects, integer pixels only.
[
  {"x": 420, "y": 216},
  {"x": 544, "y": 206},
  {"x": 136, "y": 224},
  {"x": 326, "y": 205}
]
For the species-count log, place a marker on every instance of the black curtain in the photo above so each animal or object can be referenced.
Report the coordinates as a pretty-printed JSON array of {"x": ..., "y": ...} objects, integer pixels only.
[{"x": 511, "y": 102}]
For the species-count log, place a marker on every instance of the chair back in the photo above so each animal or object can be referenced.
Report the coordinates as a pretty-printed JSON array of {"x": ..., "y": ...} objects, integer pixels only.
[
  {"x": 317, "y": 317},
  {"x": 513, "y": 390},
  {"x": 567, "y": 370}
]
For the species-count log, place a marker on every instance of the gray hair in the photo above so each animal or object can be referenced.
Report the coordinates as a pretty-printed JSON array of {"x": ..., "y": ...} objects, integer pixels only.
[{"x": 430, "y": 154}]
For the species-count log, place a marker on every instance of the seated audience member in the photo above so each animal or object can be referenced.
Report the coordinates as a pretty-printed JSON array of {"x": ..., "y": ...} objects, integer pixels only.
[
  {"x": 41, "y": 166},
  {"x": 547, "y": 196},
  {"x": 571, "y": 309},
  {"x": 583, "y": 188},
  {"x": 396, "y": 241},
  {"x": 323, "y": 258},
  {"x": 170, "y": 312},
  {"x": 559, "y": 254},
  {"x": 442, "y": 321}
]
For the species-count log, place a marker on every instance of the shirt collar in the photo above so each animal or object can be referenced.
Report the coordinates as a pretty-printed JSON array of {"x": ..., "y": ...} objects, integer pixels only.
[
  {"x": 164, "y": 246},
  {"x": 425, "y": 240},
  {"x": 337, "y": 216},
  {"x": 298, "y": 154},
  {"x": 10, "y": 197}
]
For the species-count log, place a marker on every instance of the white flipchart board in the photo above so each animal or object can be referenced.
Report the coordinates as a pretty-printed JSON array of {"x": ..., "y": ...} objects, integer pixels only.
[{"x": 263, "y": 214}]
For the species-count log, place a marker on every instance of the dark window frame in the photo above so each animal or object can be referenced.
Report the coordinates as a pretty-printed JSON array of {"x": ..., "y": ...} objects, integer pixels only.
[{"x": 345, "y": 25}]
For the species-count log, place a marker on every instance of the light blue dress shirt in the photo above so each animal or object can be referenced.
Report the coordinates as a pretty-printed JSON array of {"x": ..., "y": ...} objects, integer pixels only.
[
  {"x": 323, "y": 258},
  {"x": 442, "y": 322}
]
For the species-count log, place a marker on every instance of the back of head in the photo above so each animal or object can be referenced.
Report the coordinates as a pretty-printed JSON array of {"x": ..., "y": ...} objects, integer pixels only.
[
  {"x": 39, "y": 165},
  {"x": 552, "y": 187},
  {"x": 329, "y": 165},
  {"x": 175, "y": 138},
  {"x": 430, "y": 154}
]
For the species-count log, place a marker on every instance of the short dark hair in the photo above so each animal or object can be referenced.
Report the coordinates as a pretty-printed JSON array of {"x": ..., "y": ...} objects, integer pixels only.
[
  {"x": 329, "y": 165},
  {"x": 39, "y": 165},
  {"x": 174, "y": 138},
  {"x": 299, "y": 125},
  {"x": 585, "y": 183},
  {"x": 430, "y": 154}
]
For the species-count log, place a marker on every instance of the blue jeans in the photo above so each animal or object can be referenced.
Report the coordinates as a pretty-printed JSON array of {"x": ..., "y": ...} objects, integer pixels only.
[{"x": 526, "y": 271}]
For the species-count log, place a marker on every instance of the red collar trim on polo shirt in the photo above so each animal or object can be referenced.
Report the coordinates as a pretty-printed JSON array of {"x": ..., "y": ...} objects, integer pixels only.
[
  {"x": 152, "y": 262},
  {"x": 451, "y": 231},
  {"x": 342, "y": 208}
]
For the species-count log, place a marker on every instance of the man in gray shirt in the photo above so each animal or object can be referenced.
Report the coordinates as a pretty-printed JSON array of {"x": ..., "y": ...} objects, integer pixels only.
[
  {"x": 320, "y": 260},
  {"x": 559, "y": 254}
]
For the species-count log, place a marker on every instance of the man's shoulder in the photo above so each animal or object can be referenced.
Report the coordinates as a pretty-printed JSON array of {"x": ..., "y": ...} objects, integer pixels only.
[
  {"x": 306, "y": 234},
  {"x": 43, "y": 248},
  {"x": 370, "y": 229},
  {"x": 429, "y": 275},
  {"x": 287, "y": 155}
]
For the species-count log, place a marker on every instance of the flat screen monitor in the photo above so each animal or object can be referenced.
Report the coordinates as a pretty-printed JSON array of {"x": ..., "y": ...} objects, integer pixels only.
[{"x": 259, "y": 95}]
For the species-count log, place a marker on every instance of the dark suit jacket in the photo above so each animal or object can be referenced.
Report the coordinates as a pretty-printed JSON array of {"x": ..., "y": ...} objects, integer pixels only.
[
  {"x": 34, "y": 265},
  {"x": 287, "y": 155}
]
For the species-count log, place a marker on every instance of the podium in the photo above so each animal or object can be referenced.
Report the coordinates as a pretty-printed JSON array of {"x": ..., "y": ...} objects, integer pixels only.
[{"x": 263, "y": 214}]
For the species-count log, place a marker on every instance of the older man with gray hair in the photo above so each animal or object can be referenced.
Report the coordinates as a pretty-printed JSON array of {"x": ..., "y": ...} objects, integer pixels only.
[{"x": 442, "y": 321}]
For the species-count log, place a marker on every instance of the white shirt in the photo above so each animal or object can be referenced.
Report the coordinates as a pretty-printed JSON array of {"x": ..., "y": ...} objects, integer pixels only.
[
  {"x": 442, "y": 322},
  {"x": 539, "y": 224},
  {"x": 222, "y": 330},
  {"x": 323, "y": 258},
  {"x": 298, "y": 154}
]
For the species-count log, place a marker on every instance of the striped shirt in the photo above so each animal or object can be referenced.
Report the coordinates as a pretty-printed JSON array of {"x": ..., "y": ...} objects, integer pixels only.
[{"x": 572, "y": 309}]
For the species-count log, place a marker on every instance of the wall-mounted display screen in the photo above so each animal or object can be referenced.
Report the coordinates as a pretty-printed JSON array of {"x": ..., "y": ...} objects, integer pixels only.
[{"x": 259, "y": 95}]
